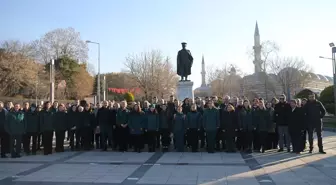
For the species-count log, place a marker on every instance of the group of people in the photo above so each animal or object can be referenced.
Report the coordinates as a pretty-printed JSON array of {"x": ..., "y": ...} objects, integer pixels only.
[{"x": 232, "y": 125}]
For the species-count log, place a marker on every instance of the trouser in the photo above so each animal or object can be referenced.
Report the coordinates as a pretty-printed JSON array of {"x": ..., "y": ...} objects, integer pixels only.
[
  {"x": 219, "y": 138},
  {"x": 256, "y": 140},
  {"x": 151, "y": 140},
  {"x": 193, "y": 139},
  {"x": 263, "y": 139},
  {"x": 137, "y": 142},
  {"x": 304, "y": 138},
  {"x": 5, "y": 143},
  {"x": 115, "y": 137},
  {"x": 283, "y": 134},
  {"x": 296, "y": 139},
  {"x": 158, "y": 136},
  {"x": 201, "y": 137},
  {"x": 248, "y": 140},
  {"x": 97, "y": 138},
  {"x": 39, "y": 141},
  {"x": 124, "y": 139},
  {"x": 71, "y": 136},
  {"x": 318, "y": 131},
  {"x": 27, "y": 138},
  {"x": 87, "y": 137},
  {"x": 79, "y": 137},
  {"x": 15, "y": 145},
  {"x": 179, "y": 140},
  {"x": 273, "y": 140},
  {"x": 60, "y": 136},
  {"x": 239, "y": 141},
  {"x": 165, "y": 137},
  {"x": 47, "y": 139},
  {"x": 107, "y": 136},
  {"x": 230, "y": 140},
  {"x": 211, "y": 139}
]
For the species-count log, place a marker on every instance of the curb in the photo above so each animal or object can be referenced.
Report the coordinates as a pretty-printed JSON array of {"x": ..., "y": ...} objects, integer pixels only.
[{"x": 329, "y": 129}]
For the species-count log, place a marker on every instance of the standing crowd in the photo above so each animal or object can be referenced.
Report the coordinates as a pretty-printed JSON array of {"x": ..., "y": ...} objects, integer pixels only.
[{"x": 232, "y": 125}]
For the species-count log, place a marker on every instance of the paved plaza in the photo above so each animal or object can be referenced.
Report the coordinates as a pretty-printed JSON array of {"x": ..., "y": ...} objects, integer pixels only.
[{"x": 112, "y": 168}]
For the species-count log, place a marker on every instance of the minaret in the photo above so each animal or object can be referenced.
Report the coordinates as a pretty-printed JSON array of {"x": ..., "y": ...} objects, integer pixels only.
[
  {"x": 257, "y": 51},
  {"x": 203, "y": 72}
]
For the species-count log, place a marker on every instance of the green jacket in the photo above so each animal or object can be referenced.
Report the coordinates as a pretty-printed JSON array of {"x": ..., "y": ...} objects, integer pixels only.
[
  {"x": 46, "y": 120},
  {"x": 60, "y": 121},
  {"x": 193, "y": 120},
  {"x": 164, "y": 120},
  {"x": 262, "y": 120},
  {"x": 211, "y": 119},
  {"x": 122, "y": 116},
  {"x": 137, "y": 122},
  {"x": 179, "y": 123},
  {"x": 33, "y": 122},
  {"x": 245, "y": 120},
  {"x": 152, "y": 121},
  {"x": 15, "y": 123}
]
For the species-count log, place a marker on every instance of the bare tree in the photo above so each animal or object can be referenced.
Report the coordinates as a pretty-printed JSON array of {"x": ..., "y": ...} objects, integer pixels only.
[
  {"x": 18, "y": 47},
  {"x": 290, "y": 72},
  {"x": 60, "y": 42},
  {"x": 223, "y": 80},
  {"x": 153, "y": 72}
]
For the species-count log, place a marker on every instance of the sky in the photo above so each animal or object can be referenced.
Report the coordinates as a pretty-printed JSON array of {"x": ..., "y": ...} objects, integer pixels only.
[{"x": 221, "y": 30}]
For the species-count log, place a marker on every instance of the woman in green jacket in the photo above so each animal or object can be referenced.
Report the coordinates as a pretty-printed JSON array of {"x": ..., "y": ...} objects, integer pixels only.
[
  {"x": 262, "y": 123},
  {"x": 15, "y": 126},
  {"x": 60, "y": 126},
  {"x": 136, "y": 123},
  {"x": 193, "y": 125},
  {"x": 210, "y": 125},
  {"x": 245, "y": 122},
  {"x": 152, "y": 128},
  {"x": 179, "y": 129},
  {"x": 46, "y": 125},
  {"x": 32, "y": 130}
]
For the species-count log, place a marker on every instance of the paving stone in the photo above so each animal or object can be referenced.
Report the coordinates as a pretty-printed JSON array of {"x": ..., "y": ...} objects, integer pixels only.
[
  {"x": 11, "y": 169},
  {"x": 111, "y": 157}
]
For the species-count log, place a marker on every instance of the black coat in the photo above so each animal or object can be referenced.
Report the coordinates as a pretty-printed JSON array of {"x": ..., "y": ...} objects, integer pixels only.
[
  {"x": 281, "y": 111},
  {"x": 104, "y": 116},
  {"x": 314, "y": 111},
  {"x": 296, "y": 120}
]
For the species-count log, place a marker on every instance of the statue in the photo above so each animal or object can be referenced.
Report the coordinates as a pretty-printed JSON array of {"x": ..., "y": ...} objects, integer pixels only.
[{"x": 184, "y": 63}]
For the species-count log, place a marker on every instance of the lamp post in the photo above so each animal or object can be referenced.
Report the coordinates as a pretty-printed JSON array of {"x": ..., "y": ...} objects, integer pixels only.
[
  {"x": 98, "y": 77},
  {"x": 104, "y": 88},
  {"x": 52, "y": 81},
  {"x": 333, "y": 60}
]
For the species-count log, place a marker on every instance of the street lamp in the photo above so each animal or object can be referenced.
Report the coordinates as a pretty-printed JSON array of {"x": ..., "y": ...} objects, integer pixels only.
[
  {"x": 333, "y": 60},
  {"x": 98, "y": 78},
  {"x": 333, "y": 51}
]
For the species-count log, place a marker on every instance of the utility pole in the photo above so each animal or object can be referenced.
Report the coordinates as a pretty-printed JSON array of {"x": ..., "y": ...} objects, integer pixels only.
[
  {"x": 52, "y": 81},
  {"x": 104, "y": 88}
]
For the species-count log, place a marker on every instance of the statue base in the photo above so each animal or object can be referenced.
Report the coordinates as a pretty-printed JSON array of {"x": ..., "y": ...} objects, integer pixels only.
[{"x": 184, "y": 89}]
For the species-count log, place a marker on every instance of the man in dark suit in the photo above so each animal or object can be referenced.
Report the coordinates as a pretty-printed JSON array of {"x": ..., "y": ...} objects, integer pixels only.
[{"x": 314, "y": 111}]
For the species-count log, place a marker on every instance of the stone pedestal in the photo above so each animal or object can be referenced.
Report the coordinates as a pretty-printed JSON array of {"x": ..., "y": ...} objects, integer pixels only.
[{"x": 184, "y": 89}]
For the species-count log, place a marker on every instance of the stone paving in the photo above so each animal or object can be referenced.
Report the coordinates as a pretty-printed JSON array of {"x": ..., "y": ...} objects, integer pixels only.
[{"x": 112, "y": 168}]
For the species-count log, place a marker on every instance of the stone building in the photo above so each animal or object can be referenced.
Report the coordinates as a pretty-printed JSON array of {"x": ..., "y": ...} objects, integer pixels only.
[{"x": 261, "y": 84}]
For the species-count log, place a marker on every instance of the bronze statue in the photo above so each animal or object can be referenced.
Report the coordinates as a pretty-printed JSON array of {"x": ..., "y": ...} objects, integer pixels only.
[{"x": 184, "y": 63}]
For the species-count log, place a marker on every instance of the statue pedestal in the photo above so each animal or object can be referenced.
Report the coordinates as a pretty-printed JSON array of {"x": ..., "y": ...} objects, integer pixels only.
[{"x": 184, "y": 89}]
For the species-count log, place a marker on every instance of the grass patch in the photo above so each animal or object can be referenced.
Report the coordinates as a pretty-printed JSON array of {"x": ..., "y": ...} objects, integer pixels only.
[{"x": 329, "y": 124}]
